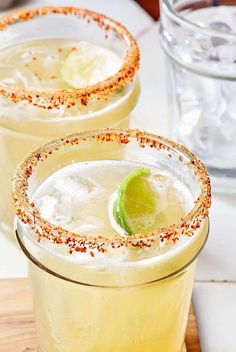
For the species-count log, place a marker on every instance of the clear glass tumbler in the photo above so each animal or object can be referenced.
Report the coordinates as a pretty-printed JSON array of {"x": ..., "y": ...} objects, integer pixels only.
[
  {"x": 99, "y": 302},
  {"x": 31, "y": 115},
  {"x": 199, "y": 39}
]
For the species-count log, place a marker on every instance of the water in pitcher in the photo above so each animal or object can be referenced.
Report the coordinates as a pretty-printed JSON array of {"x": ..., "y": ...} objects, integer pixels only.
[{"x": 201, "y": 48}]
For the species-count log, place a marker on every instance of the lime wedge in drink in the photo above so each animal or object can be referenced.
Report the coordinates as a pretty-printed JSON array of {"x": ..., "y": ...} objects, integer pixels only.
[
  {"x": 135, "y": 209},
  {"x": 88, "y": 64}
]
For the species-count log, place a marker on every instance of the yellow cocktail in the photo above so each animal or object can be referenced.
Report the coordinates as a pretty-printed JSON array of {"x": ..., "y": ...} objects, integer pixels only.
[
  {"x": 99, "y": 285},
  {"x": 61, "y": 70}
]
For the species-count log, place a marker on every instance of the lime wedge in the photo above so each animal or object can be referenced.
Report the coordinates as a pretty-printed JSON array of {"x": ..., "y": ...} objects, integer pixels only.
[
  {"x": 88, "y": 64},
  {"x": 135, "y": 209}
]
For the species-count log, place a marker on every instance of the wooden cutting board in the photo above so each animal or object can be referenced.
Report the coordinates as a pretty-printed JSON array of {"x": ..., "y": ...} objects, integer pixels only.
[{"x": 17, "y": 330}]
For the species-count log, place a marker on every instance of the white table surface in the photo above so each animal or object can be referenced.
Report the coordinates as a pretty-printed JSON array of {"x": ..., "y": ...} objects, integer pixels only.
[{"x": 215, "y": 288}]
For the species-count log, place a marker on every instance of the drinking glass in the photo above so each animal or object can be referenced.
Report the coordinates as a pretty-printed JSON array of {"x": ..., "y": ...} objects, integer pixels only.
[
  {"x": 85, "y": 297},
  {"x": 199, "y": 39},
  {"x": 30, "y": 116}
]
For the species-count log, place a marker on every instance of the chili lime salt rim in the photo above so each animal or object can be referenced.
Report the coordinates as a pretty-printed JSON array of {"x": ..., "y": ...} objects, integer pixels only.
[
  {"x": 69, "y": 97},
  {"x": 30, "y": 215}
]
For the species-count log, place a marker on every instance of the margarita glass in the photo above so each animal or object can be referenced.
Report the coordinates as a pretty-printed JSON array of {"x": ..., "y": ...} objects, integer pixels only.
[
  {"x": 110, "y": 292},
  {"x": 37, "y": 103}
]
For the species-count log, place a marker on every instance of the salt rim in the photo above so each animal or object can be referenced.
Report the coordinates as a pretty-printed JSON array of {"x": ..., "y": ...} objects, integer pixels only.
[
  {"x": 30, "y": 215},
  {"x": 69, "y": 97}
]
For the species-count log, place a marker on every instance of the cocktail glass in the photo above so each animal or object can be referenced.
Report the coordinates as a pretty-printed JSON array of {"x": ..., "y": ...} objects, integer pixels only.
[
  {"x": 88, "y": 298},
  {"x": 31, "y": 116}
]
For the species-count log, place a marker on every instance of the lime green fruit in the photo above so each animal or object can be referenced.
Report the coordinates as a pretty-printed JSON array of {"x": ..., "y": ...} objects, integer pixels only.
[
  {"x": 88, "y": 64},
  {"x": 135, "y": 208}
]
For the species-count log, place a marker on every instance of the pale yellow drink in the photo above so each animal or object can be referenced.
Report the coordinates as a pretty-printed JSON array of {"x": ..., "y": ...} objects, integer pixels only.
[
  {"x": 44, "y": 67},
  {"x": 131, "y": 298}
]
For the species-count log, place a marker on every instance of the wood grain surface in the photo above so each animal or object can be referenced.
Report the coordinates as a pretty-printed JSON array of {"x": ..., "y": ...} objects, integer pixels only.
[{"x": 17, "y": 330}]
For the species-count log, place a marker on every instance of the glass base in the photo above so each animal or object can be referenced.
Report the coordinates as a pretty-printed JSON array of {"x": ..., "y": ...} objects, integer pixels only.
[{"x": 223, "y": 180}]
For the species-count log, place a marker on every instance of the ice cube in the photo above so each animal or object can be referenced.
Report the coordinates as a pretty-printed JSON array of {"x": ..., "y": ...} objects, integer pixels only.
[
  {"x": 53, "y": 210},
  {"x": 13, "y": 75},
  {"x": 201, "y": 47},
  {"x": 86, "y": 224},
  {"x": 227, "y": 53},
  {"x": 46, "y": 204},
  {"x": 222, "y": 19},
  {"x": 220, "y": 26},
  {"x": 229, "y": 92},
  {"x": 160, "y": 184},
  {"x": 227, "y": 130},
  {"x": 76, "y": 188}
]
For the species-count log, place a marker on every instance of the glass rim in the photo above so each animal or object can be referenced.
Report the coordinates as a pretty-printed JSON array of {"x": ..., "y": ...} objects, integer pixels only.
[
  {"x": 80, "y": 242},
  {"x": 68, "y": 97},
  {"x": 195, "y": 26},
  {"x": 49, "y": 271}
]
